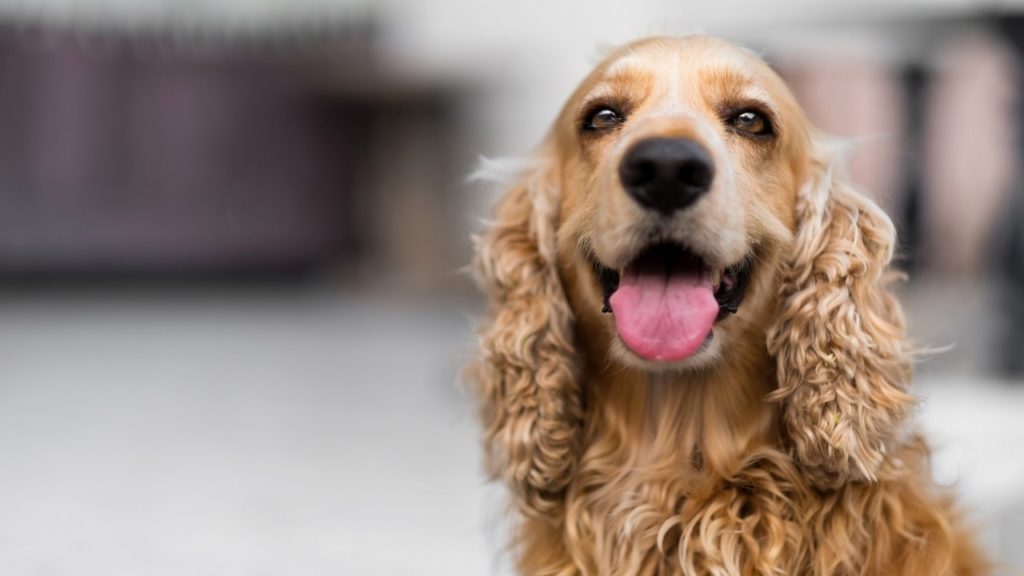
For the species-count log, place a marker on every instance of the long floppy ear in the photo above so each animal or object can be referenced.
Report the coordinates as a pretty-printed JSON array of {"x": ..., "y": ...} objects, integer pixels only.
[
  {"x": 843, "y": 364},
  {"x": 527, "y": 374}
]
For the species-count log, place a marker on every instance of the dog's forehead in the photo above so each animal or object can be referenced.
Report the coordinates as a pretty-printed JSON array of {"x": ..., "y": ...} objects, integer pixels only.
[
  {"x": 663, "y": 65},
  {"x": 681, "y": 54}
]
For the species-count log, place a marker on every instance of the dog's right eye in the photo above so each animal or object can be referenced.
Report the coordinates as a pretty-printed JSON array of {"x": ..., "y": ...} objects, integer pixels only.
[{"x": 602, "y": 118}]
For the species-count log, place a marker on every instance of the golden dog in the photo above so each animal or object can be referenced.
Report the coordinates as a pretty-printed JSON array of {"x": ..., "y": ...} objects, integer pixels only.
[{"x": 692, "y": 363}]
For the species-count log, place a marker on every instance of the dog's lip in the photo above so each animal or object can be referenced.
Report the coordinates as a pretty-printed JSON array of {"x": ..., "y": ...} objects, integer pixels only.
[{"x": 729, "y": 282}]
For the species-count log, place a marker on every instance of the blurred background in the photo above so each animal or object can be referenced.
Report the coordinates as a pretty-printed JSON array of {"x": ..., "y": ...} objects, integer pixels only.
[{"x": 232, "y": 312}]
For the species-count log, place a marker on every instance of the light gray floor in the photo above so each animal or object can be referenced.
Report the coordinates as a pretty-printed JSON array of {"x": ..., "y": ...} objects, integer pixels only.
[
  {"x": 238, "y": 434},
  {"x": 299, "y": 432}
]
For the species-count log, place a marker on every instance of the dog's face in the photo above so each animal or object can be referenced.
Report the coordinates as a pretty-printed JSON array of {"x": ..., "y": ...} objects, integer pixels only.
[{"x": 679, "y": 163}]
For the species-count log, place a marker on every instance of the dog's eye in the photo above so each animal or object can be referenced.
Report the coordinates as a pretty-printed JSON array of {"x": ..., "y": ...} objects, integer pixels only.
[
  {"x": 751, "y": 122},
  {"x": 602, "y": 118}
]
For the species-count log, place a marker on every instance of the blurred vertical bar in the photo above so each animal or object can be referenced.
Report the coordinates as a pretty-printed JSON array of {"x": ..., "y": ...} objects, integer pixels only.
[{"x": 1011, "y": 260}]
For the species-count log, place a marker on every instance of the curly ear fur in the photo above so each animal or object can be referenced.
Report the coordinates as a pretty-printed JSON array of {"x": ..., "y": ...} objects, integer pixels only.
[
  {"x": 842, "y": 362},
  {"x": 527, "y": 374}
]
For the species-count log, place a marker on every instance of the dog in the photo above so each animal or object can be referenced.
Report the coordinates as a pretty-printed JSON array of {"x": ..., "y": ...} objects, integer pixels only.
[{"x": 692, "y": 362}]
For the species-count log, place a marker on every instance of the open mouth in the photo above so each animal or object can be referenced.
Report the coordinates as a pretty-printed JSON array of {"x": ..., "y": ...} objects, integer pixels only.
[{"x": 667, "y": 300}]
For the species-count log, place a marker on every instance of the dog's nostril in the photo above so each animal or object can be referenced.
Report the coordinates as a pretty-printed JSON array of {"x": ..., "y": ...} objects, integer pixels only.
[{"x": 666, "y": 174}]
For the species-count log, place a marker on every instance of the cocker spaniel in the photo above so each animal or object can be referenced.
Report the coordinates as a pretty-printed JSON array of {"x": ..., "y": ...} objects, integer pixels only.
[{"x": 692, "y": 363}]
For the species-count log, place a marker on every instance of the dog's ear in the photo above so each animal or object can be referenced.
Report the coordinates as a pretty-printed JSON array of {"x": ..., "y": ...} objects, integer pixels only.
[
  {"x": 843, "y": 364},
  {"x": 527, "y": 373}
]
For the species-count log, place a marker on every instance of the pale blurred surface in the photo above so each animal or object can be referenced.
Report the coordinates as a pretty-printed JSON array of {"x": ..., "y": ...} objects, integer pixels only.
[
  {"x": 232, "y": 316},
  {"x": 246, "y": 432},
  {"x": 303, "y": 431}
]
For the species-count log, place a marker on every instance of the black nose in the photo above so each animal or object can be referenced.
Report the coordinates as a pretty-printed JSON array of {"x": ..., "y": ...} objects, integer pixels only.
[{"x": 666, "y": 174}]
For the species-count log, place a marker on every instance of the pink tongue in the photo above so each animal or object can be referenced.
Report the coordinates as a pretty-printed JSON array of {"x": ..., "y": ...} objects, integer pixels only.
[{"x": 664, "y": 317}]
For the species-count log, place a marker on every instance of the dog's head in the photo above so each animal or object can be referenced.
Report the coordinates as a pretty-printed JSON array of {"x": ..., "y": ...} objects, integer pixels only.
[
  {"x": 679, "y": 163},
  {"x": 680, "y": 218}
]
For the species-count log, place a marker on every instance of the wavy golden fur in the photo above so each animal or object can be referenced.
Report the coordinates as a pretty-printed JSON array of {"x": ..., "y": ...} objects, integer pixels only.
[{"x": 784, "y": 447}]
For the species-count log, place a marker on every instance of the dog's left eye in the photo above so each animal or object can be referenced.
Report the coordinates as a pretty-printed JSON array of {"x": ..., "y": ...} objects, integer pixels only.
[
  {"x": 602, "y": 118},
  {"x": 751, "y": 122}
]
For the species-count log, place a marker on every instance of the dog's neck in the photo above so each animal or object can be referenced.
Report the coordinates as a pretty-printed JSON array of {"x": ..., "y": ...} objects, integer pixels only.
[{"x": 706, "y": 420}]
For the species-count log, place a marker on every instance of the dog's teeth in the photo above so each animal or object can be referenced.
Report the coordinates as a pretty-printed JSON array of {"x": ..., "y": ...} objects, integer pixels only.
[{"x": 716, "y": 278}]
